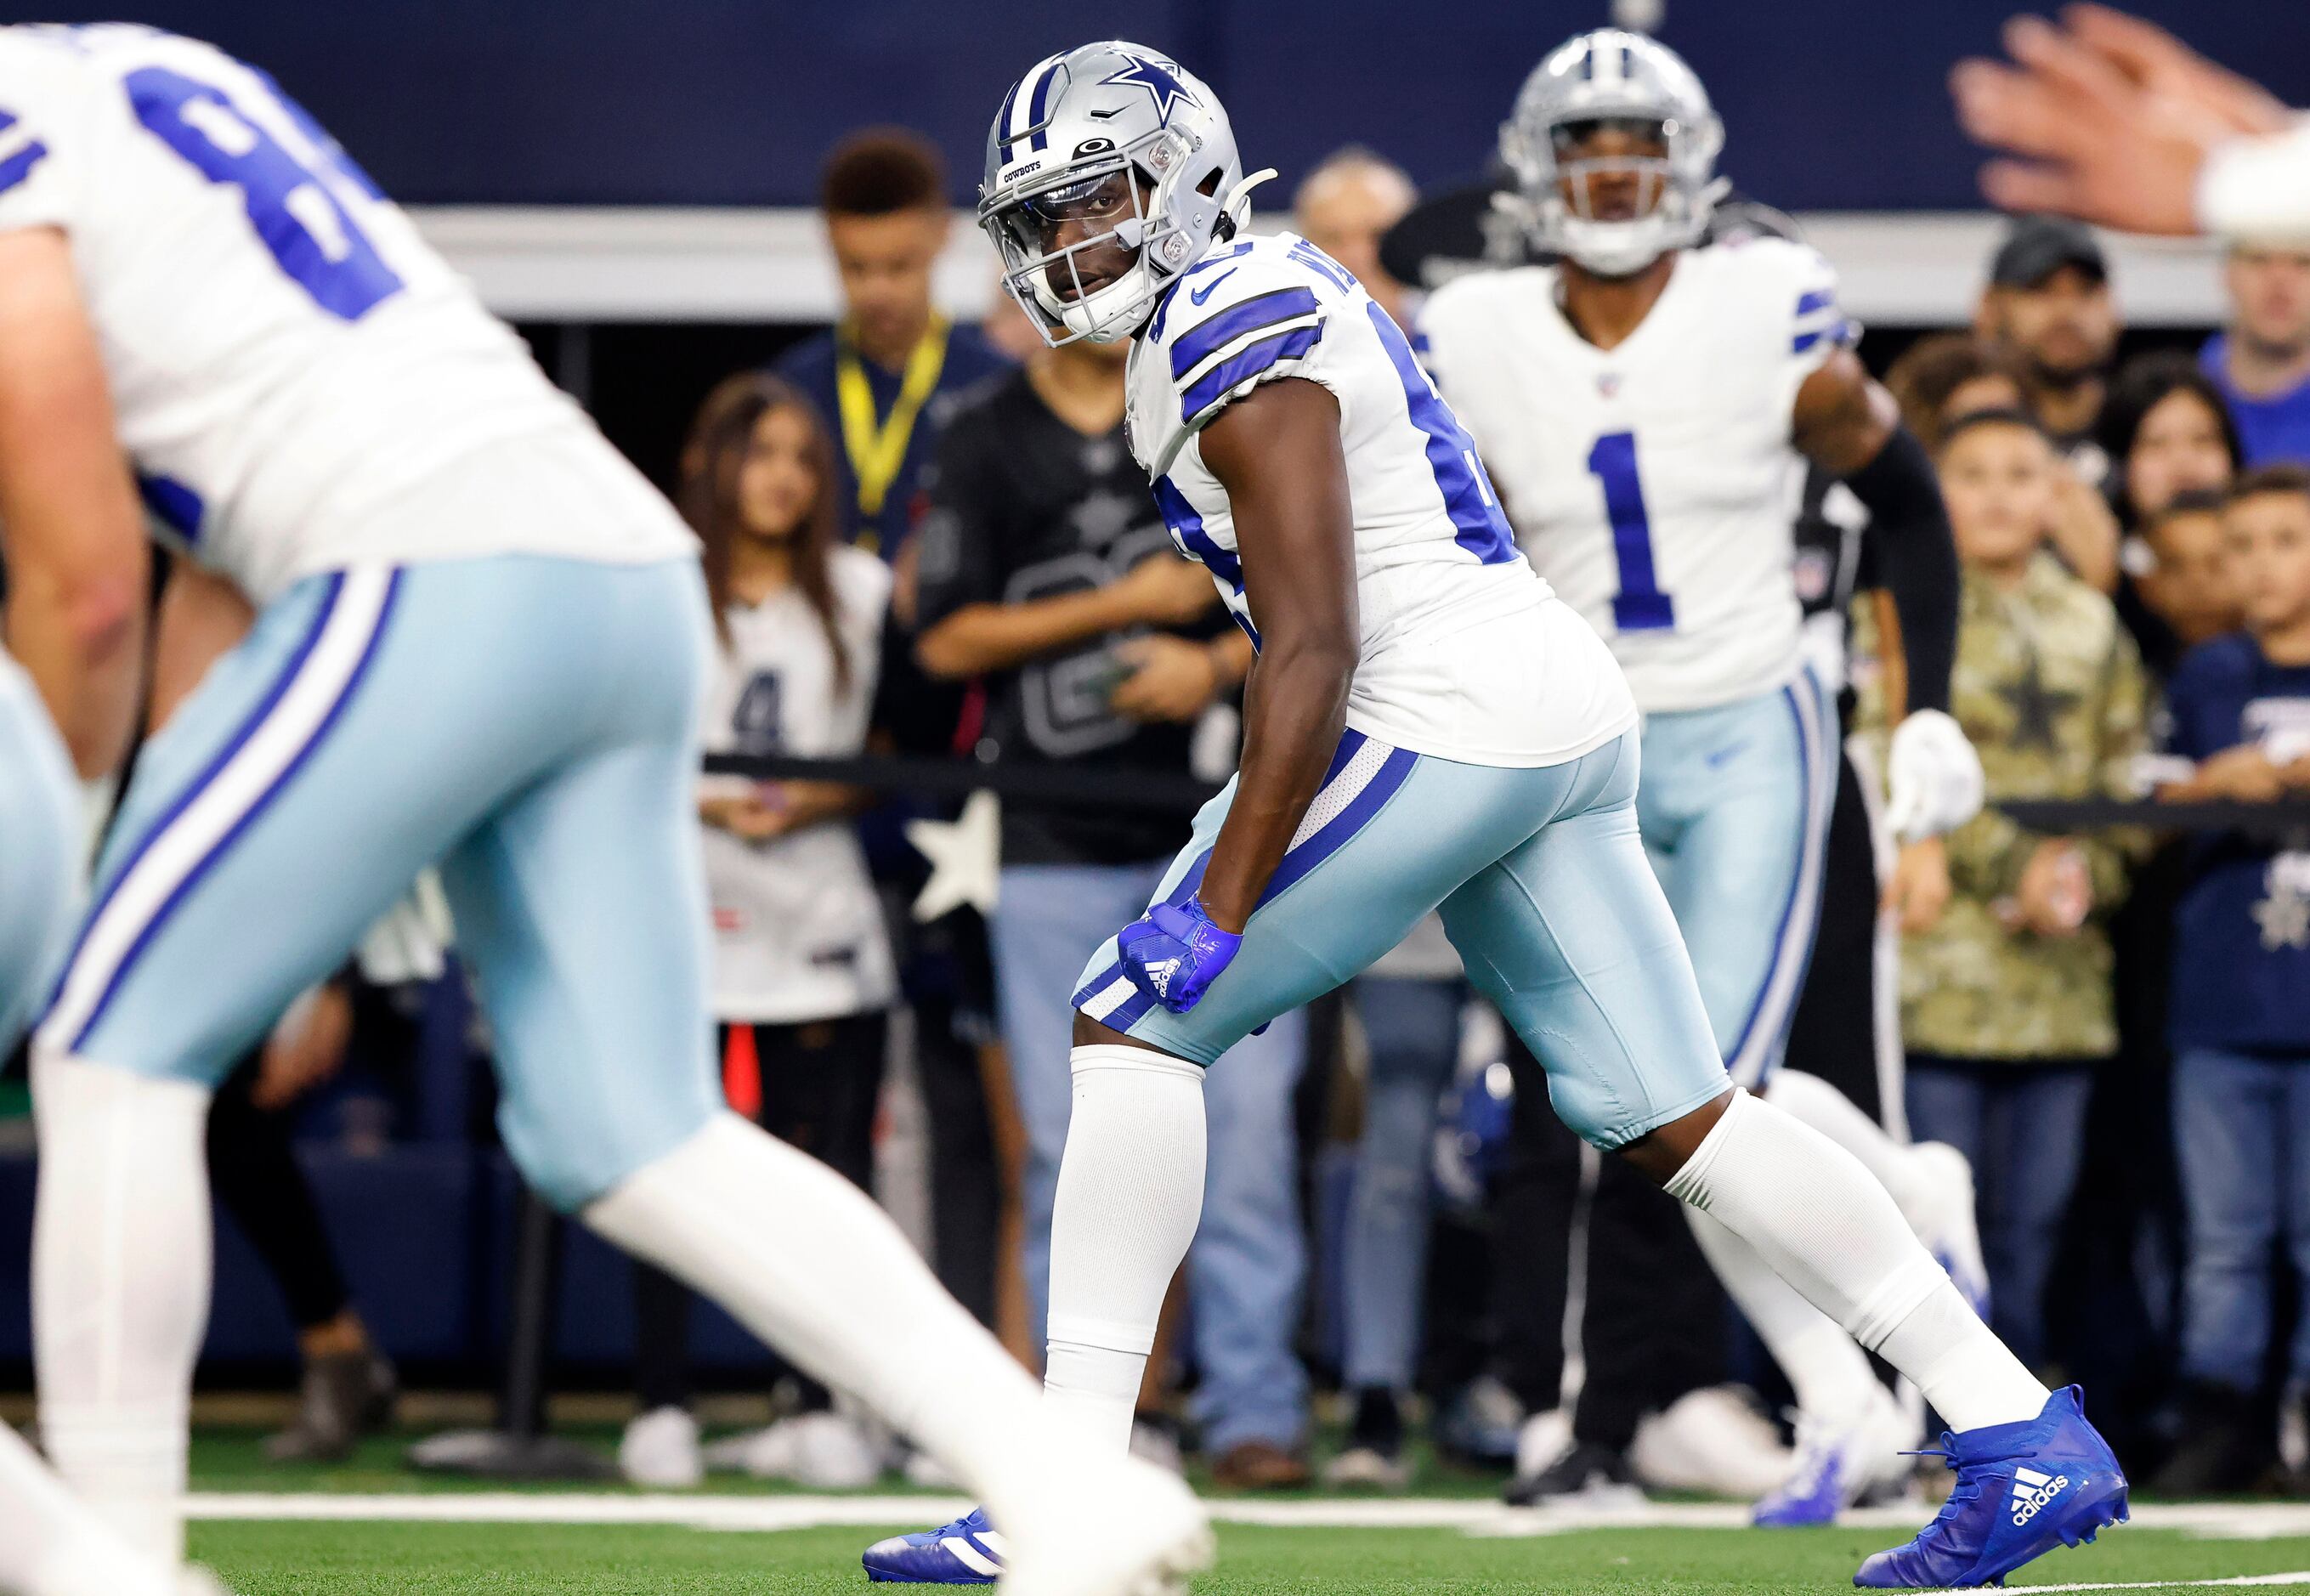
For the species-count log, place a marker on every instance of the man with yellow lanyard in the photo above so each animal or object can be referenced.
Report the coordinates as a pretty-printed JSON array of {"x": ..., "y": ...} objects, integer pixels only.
[
  {"x": 881, "y": 373},
  {"x": 884, "y": 376}
]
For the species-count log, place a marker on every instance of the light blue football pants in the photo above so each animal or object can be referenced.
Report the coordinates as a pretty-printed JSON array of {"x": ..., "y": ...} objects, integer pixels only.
[
  {"x": 1735, "y": 811},
  {"x": 1544, "y": 889},
  {"x": 40, "y": 844},
  {"x": 528, "y": 721}
]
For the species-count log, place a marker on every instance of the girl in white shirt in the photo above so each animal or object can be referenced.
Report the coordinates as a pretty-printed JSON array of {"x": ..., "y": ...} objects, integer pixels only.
[{"x": 802, "y": 973}]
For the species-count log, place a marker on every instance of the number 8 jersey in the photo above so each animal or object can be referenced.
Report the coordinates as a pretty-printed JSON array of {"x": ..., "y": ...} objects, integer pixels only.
[
  {"x": 289, "y": 361},
  {"x": 1464, "y": 655},
  {"x": 1655, "y": 484}
]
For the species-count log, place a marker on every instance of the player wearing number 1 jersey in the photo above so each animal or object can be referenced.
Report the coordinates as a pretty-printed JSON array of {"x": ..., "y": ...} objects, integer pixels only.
[
  {"x": 481, "y": 640},
  {"x": 1649, "y": 404},
  {"x": 1428, "y": 727}
]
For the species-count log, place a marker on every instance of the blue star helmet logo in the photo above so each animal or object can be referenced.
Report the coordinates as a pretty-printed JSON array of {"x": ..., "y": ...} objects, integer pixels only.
[{"x": 1159, "y": 78}]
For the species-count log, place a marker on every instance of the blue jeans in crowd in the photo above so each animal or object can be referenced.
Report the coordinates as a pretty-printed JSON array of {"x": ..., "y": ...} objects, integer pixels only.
[
  {"x": 1412, "y": 1029},
  {"x": 2021, "y": 1123},
  {"x": 1248, "y": 1263},
  {"x": 2242, "y": 1130}
]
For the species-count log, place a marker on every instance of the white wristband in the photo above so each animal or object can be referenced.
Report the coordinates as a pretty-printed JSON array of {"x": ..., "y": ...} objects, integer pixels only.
[{"x": 2258, "y": 188}]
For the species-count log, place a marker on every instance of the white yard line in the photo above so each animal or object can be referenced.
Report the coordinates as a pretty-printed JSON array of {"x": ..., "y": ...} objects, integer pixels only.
[
  {"x": 2213, "y": 1521},
  {"x": 2301, "y": 1578}
]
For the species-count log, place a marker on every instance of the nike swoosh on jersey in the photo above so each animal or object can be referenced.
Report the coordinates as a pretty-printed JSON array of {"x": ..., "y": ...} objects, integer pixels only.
[{"x": 1200, "y": 294}]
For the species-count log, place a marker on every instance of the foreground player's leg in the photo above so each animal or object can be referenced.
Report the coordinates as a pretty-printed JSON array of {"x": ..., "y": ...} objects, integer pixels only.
[
  {"x": 52, "y": 1545},
  {"x": 580, "y": 907},
  {"x": 1571, "y": 936}
]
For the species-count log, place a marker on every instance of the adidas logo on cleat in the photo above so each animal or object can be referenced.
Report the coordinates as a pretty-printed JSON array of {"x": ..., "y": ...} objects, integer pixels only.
[{"x": 2033, "y": 1492}]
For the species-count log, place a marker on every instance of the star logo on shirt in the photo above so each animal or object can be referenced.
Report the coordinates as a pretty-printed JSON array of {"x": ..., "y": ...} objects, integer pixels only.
[
  {"x": 1160, "y": 79},
  {"x": 2038, "y": 710}
]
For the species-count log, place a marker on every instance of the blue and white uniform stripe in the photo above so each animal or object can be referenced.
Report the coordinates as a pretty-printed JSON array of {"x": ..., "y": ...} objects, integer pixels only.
[
  {"x": 20, "y": 152},
  {"x": 1233, "y": 346},
  {"x": 1758, "y": 1047},
  {"x": 1819, "y": 316},
  {"x": 1364, "y": 775},
  {"x": 288, "y": 723}
]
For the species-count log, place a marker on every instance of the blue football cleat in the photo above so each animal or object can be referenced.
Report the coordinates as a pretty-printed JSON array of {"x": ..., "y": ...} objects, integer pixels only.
[
  {"x": 969, "y": 1551},
  {"x": 2023, "y": 1489}
]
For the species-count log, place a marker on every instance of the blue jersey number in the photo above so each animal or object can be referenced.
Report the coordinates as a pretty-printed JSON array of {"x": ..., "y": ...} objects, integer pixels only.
[
  {"x": 1640, "y": 606},
  {"x": 296, "y": 219},
  {"x": 1479, "y": 525}
]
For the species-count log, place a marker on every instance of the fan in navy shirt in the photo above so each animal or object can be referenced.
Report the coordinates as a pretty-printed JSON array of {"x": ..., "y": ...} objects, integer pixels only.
[
  {"x": 2261, "y": 363},
  {"x": 883, "y": 374},
  {"x": 2240, "y": 1013}
]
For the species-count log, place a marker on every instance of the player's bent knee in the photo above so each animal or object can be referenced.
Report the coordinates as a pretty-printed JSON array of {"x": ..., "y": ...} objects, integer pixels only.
[
  {"x": 571, "y": 1158},
  {"x": 1658, "y": 1153}
]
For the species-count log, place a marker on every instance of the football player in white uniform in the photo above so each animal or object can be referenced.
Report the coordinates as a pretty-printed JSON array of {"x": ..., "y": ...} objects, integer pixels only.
[
  {"x": 480, "y": 639},
  {"x": 1648, "y": 405},
  {"x": 77, "y": 598},
  {"x": 1428, "y": 727}
]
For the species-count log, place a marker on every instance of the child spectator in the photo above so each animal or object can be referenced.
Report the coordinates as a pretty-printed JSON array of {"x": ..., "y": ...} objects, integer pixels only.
[
  {"x": 1945, "y": 376},
  {"x": 2240, "y": 1019},
  {"x": 2006, "y": 1001},
  {"x": 2183, "y": 591},
  {"x": 803, "y": 970}
]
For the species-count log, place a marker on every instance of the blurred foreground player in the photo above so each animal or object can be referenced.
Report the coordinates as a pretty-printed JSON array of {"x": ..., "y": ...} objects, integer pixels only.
[
  {"x": 1397, "y": 760},
  {"x": 480, "y": 638},
  {"x": 76, "y": 555},
  {"x": 1651, "y": 403}
]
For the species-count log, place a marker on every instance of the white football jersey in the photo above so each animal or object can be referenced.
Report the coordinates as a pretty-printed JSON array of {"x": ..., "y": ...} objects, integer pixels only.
[
  {"x": 1654, "y": 485},
  {"x": 1456, "y": 629},
  {"x": 289, "y": 359},
  {"x": 798, "y": 932}
]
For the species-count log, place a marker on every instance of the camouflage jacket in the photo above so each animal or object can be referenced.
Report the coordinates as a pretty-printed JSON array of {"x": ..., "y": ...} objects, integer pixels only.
[{"x": 2049, "y": 686}]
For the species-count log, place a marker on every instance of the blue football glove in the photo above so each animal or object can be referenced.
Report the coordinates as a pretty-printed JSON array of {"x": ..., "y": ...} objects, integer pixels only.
[{"x": 1175, "y": 953}]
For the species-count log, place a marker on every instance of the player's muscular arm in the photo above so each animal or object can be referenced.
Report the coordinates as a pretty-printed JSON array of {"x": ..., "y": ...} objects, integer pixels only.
[
  {"x": 1160, "y": 591},
  {"x": 70, "y": 521},
  {"x": 1847, "y": 425},
  {"x": 1277, "y": 453}
]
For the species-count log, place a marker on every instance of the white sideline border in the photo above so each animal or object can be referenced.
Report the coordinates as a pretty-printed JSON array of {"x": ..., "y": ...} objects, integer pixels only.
[
  {"x": 693, "y": 264},
  {"x": 1474, "y": 1516}
]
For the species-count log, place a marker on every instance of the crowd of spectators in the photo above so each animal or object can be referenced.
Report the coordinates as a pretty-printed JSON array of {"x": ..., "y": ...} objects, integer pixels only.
[{"x": 926, "y": 537}]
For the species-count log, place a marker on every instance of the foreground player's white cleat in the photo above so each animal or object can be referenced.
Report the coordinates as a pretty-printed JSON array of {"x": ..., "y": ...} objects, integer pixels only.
[
  {"x": 1126, "y": 1529},
  {"x": 1939, "y": 1206}
]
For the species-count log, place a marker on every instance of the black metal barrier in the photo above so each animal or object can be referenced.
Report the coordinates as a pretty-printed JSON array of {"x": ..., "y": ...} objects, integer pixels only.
[{"x": 1168, "y": 792}]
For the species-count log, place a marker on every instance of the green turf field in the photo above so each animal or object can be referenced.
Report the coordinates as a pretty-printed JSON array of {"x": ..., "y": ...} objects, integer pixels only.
[
  {"x": 388, "y": 1559},
  {"x": 450, "y": 1540}
]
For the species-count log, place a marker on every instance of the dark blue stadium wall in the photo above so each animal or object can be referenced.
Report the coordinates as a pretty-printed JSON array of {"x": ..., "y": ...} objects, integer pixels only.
[{"x": 1834, "y": 104}]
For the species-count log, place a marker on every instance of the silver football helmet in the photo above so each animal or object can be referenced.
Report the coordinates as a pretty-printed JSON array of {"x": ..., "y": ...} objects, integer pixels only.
[
  {"x": 1609, "y": 75},
  {"x": 1110, "y": 170}
]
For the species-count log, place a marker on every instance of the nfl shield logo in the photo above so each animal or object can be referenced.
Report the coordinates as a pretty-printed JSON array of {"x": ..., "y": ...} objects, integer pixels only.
[{"x": 1608, "y": 384}]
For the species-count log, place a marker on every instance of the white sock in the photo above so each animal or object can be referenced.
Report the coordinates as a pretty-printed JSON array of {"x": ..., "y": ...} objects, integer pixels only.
[
  {"x": 1960, "y": 1365},
  {"x": 120, "y": 1288},
  {"x": 1130, "y": 1195},
  {"x": 52, "y": 1545},
  {"x": 1825, "y": 1369},
  {"x": 1835, "y": 1116},
  {"x": 1810, "y": 1210},
  {"x": 807, "y": 1261}
]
